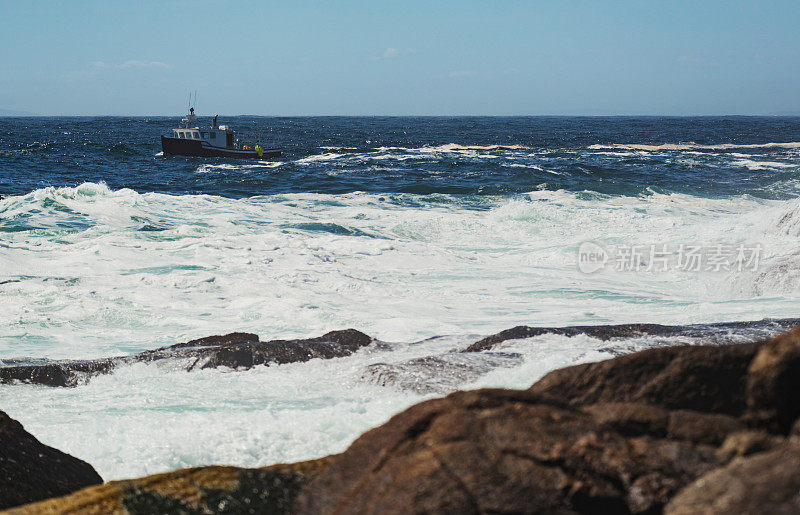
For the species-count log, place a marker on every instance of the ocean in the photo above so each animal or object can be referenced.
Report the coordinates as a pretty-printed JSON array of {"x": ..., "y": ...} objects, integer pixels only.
[{"x": 425, "y": 233}]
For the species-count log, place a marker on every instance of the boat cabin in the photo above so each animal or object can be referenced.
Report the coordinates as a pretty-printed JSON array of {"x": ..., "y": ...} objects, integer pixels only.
[
  {"x": 220, "y": 136},
  {"x": 217, "y": 136}
]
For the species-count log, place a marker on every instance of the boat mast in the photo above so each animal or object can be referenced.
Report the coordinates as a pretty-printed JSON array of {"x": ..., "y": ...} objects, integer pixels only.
[{"x": 190, "y": 118}]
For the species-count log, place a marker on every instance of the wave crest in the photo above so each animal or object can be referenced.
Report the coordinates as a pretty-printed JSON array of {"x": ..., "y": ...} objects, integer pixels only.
[{"x": 692, "y": 146}]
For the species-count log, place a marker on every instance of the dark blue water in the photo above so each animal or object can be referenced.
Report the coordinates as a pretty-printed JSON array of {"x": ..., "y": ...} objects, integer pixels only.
[{"x": 415, "y": 155}]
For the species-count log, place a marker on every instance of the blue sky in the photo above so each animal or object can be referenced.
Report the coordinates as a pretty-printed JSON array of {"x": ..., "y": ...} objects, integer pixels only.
[{"x": 499, "y": 57}]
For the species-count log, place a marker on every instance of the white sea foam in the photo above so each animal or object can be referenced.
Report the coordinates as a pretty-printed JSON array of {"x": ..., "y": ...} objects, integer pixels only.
[
  {"x": 454, "y": 147},
  {"x": 751, "y": 164},
  {"x": 317, "y": 158},
  {"x": 695, "y": 146},
  {"x": 530, "y": 167},
  {"x": 104, "y": 271},
  {"x": 239, "y": 167},
  {"x": 271, "y": 164},
  {"x": 94, "y": 272}
]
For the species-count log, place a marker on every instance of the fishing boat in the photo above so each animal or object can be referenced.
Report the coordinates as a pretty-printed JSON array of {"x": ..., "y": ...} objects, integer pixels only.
[{"x": 214, "y": 141}]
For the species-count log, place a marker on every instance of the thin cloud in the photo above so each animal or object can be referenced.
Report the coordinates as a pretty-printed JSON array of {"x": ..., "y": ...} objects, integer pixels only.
[{"x": 391, "y": 53}]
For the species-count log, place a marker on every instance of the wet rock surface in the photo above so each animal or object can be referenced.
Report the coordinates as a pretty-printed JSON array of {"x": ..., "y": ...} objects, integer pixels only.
[
  {"x": 719, "y": 333},
  {"x": 30, "y": 470},
  {"x": 234, "y": 350}
]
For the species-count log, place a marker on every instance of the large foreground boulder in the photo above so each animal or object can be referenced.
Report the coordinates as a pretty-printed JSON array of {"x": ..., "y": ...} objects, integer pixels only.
[
  {"x": 508, "y": 451},
  {"x": 30, "y": 470},
  {"x": 200, "y": 490}
]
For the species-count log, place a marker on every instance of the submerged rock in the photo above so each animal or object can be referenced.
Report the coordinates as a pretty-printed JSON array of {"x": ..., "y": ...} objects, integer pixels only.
[
  {"x": 54, "y": 373},
  {"x": 438, "y": 374},
  {"x": 719, "y": 333},
  {"x": 334, "y": 344},
  {"x": 234, "y": 350},
  {"x": 192, "y": 491},
  {"x": 31, "y": 471}
]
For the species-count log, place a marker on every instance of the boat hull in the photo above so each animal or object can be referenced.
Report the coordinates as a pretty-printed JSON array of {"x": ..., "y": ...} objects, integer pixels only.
[{"x": 188, "y": 147}]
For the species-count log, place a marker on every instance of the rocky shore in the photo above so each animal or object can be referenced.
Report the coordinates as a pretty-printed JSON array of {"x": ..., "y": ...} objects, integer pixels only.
[{"x": 681, "y": 429}]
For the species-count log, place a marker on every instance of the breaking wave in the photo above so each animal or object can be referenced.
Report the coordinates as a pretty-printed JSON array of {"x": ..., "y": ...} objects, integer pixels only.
[
  {"x": 695, "y": 146},
  {"x": 143, "y": 269}
]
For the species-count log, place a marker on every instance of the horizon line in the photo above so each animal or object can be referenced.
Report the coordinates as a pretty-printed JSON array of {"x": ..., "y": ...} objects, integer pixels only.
[{"x": 780, "y": 114}]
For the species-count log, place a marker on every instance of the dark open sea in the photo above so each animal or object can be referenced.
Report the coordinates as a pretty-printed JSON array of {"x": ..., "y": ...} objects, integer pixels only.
[
  {"x": 456, "y": 156},
  {"x": 427, "y": 233}
]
